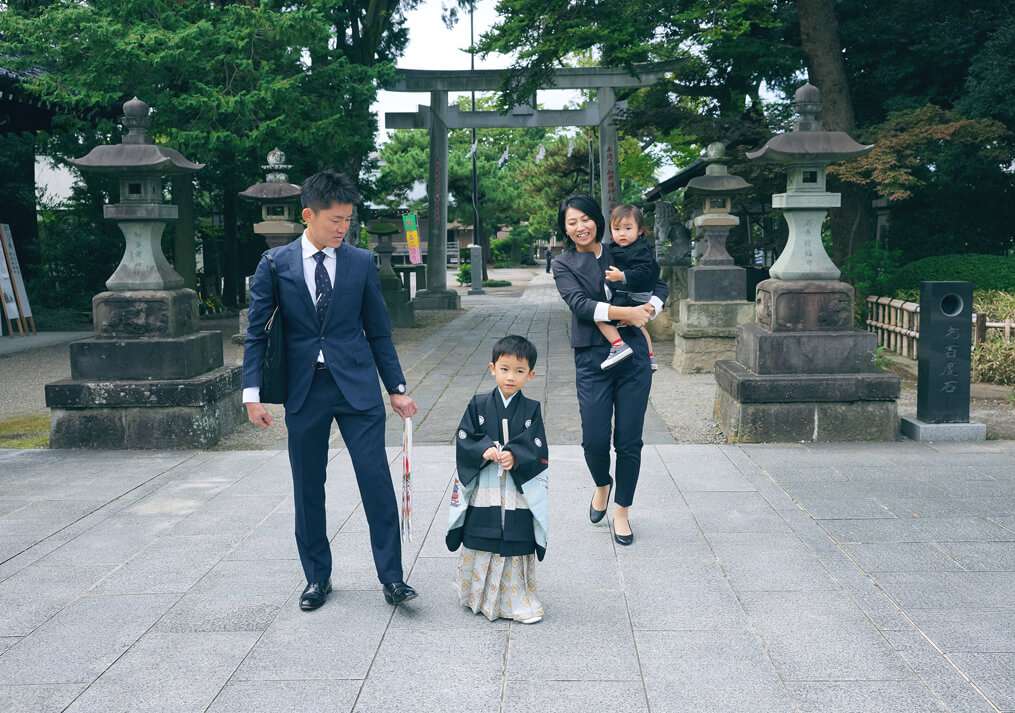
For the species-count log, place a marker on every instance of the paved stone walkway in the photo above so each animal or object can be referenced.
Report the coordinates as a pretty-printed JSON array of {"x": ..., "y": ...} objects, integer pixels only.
[
  {"x": 447, "y": 367},
  {"x": 815, "y": 579},
  {"x": 445, "y": 370}
]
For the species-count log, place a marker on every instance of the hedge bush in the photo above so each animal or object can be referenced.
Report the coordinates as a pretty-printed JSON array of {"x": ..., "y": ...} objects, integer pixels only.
[
  {"x": 986, "y": 272},
  {"x": 997, "y": 305},
  {"x": 994, "y": 362}
]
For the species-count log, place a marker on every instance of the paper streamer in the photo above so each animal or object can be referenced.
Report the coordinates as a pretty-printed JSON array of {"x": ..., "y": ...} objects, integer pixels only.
[{"x": 407, "y": 481}]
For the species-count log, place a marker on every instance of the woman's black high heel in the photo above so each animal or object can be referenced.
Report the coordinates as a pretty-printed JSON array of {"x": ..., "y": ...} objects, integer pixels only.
[
  {"x": 596, "y": 516},
  {"x": 623, "y": 539}
]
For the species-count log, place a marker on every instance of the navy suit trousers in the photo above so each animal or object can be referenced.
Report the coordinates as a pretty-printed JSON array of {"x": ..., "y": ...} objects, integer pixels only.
[
  {"x": 363, "y": 432},
  {"x": 616, "y": 397}
]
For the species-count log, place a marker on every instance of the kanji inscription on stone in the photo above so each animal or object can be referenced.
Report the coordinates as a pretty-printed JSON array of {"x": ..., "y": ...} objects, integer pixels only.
[{"x": 946, "y": 313}]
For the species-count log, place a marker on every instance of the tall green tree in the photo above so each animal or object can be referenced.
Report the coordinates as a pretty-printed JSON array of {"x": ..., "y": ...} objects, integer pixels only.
[
  {"x": 229, "y": 80},
  {"x": 871, "y": 58}
]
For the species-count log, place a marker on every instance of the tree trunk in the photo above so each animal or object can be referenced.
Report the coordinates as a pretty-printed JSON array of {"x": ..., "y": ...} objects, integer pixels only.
[
  {"x": 231, "y": 292},
  {"x": 854, "y": 223},
  {"x": 184, "y": 250}
]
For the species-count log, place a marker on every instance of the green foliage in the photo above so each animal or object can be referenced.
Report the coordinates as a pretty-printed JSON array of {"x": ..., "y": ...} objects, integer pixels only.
[
  {"x": 496, "y": 283},
  {"x": 506, "y": 249},
  {"x": 77, "y": 254},
  {"x": 464, "y": 275},
  {"x": 940, "y": 149},
  {"x": 524, "y": 192},
  {"x": 889, "y": 47},
  {"x": 25, "y": 432},
  {"x": 986, "y": 272},
  {"x": 871, "y": 270},
  {"x": 996, "y": 304},
  {"x": 229, "y": 81},
  {"x": 910, "y": 144},
  {"x": 990, "y": 87},
  {"x": 363, "y": 240},
  {"x": 880, "y": 358},
  {"x": 994, "y": 362}
]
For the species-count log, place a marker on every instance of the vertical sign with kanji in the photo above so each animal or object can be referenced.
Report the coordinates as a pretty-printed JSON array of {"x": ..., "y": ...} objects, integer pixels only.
[
  {"x": 411, "y": 227},
  {"x": 946, "y": 315},
  {"x": 12, "y": 285}
]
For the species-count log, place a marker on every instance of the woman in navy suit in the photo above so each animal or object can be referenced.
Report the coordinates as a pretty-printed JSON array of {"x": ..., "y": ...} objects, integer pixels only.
[{"x": 617, "y": 394}]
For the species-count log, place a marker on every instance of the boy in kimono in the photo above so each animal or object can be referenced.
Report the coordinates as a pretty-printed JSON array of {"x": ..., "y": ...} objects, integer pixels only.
[{"x": 498, "y": 512}]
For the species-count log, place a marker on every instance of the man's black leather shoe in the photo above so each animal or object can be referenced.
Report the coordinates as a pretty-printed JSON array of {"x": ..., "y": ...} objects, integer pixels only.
[
  {"x": 314, "y": 595},
  {"x": 398, "y": 592}
]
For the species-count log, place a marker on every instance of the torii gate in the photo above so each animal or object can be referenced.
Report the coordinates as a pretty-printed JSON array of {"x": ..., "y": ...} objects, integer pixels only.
[{"x": 439, "y": 118}]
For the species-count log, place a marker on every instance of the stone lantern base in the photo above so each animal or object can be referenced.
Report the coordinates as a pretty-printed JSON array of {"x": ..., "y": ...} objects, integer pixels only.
[
  {"x": 707, "y": 333},
  {"x": 400, "y": 308},
  {"x": 150, "y": 414},
  {"x": 707, "y": 330},
  {"x": 147, "y": 379},
  {"x": 803, "y": 373},
  {"x": 437, "y": 299}
]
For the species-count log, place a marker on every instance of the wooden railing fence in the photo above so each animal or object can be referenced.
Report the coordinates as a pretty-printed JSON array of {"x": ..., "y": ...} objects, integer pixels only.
[{"x": 897, "y": 325}]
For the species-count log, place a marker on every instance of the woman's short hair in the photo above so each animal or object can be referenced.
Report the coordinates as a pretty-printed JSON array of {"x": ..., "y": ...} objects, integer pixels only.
[{"x": 587, "y": 206}]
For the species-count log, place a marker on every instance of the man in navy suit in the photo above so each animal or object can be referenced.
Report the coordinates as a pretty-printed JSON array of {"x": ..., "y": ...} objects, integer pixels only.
[{"x": 337, "y": 340}]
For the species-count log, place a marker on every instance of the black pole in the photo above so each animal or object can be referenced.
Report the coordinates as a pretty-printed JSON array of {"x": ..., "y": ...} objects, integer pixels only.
[{"x": 477, "y": 238}]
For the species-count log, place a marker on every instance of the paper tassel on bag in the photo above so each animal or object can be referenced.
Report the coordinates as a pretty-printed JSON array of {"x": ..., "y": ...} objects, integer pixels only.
[{"x": 407, "y": 481}]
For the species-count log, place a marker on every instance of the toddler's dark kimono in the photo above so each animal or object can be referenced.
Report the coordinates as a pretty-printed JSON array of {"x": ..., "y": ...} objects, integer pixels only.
[{"x": 641, "y": 273}]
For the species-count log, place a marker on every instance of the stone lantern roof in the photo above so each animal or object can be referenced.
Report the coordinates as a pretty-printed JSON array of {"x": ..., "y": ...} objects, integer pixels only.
[
  {"x": 717, "y": 179},
  {"x": 276, "y": 186},
  {"x": 809, "y": 142},
  {"x": 137, "y": 153}
]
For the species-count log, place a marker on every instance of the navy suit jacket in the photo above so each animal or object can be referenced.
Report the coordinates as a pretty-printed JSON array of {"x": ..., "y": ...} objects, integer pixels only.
[
  {"x": 355, "y": 336},
  {"x": 580, "y": 281}
]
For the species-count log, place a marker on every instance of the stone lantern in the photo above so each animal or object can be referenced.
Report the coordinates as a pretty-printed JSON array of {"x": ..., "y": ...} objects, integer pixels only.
[
  {"x": 148, "y": 378},
  {"x": 807, "y": 152},
  {"x": 280, "y": 203},
  {"x": 716, "y": 288},
  {"x": 280, "y": 208},
  {"x": 803, "y": 372},
  {"x": 400, "y": 308}
]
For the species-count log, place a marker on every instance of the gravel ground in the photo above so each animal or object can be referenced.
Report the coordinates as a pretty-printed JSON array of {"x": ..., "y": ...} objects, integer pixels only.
[
  {"x": 684, "y": 401},
  {"x": 23, "y": 376},
  {"x": 998, "y": 414}
]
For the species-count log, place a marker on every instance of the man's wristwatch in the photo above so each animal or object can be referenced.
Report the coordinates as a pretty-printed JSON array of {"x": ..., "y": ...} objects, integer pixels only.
[{"x": 400, "y": 389}]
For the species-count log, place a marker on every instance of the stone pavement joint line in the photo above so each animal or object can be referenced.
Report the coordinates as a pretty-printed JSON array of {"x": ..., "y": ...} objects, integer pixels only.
[{"x": 801, "y": 578}]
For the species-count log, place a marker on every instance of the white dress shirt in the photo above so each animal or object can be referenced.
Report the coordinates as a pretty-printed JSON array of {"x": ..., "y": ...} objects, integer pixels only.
[
  {"x": 602, "y": 313},
  {"x": 252, "y": 394}
]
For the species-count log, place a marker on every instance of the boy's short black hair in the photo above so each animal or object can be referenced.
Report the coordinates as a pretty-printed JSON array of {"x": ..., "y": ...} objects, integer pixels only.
[
  {"x": 516, "y": 346},
  {"x": 324, "y": 188}
]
